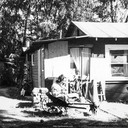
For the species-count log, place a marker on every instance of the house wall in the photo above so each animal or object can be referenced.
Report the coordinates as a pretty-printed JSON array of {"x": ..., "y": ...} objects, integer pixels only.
[
  {"x": 57, "y": 61},
  {"x": 58, "y": 49},
  {"x": 115, "y": 90},
  {"x": 99, "y": 44},
  {"x": 35, "y": 69}
]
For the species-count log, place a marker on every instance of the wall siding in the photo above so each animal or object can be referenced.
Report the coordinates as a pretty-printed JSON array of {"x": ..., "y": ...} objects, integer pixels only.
[
  {"x": 58, "y": 49},
  {"x": 117, "y": 90},
  {"x": 57, "y": 61},
  {"x": 99, "y": 45},
  {"x": 114, "y": 91},
  {"x": 35, "y": 70},
  {"x": 56, "y": 58}
]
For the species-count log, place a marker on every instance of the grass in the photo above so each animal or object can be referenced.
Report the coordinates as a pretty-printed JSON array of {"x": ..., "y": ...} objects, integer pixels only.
[{"x": 19, "y": 112}]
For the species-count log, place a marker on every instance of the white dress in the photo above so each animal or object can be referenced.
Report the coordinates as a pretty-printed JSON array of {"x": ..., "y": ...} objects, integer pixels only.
[{"x": 56, "y": 90}]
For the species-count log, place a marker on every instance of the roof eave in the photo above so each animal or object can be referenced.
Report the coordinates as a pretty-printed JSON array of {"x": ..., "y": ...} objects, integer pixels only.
[{"x": 36, "y": 45}]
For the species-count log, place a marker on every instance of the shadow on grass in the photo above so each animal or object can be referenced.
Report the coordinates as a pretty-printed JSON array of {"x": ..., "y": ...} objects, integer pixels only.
[
  {"x": 69, "y": 123},
  {"x": 25, "y": 105},
  {"x": 4, "y": 117},
  {"x": 57, "y": 122},
  {"x": 39, "y": 113},
  {"x": 36, "y": 111}
]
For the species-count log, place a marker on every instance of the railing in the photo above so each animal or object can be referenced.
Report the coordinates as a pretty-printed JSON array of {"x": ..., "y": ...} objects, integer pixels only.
[{"x": 87, "y": 89}]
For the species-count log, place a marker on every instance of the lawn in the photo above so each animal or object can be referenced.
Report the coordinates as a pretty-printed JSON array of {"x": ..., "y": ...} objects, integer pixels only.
[{"x": 18, "y": 112}]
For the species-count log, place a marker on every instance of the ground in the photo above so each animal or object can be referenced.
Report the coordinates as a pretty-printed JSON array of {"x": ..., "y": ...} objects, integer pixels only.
[{"x": 17, "y": 112}]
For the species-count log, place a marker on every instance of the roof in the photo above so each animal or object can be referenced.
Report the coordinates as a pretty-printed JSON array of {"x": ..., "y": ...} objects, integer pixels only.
[
  {"x": 103, "y": 30},
  {"x": 89, "y": 30},
  {"x": 39, "y": 43}
]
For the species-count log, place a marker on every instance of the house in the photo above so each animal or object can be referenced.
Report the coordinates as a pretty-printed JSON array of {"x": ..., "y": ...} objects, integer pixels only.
[{"x": 99, "y": 50}]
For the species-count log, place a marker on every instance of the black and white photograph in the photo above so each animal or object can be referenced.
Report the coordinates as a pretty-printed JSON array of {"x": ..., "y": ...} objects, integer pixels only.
[{"x": 63, "y": 63}]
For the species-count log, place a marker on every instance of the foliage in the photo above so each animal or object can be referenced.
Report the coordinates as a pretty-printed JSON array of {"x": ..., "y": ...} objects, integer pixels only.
[
  {"x": 112, "y": 10},
  {"x": 29, "y": 20},
  {"x": 22, "y": 20}
]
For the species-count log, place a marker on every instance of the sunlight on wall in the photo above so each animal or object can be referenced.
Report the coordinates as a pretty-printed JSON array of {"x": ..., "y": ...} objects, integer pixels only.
[
  {"x": 99, "y": 69},
  {"x": 57, "y": 66}
]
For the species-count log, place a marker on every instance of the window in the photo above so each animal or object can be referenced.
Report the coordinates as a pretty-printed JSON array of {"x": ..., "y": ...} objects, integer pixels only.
[
  {"x": 119, "y": 62},
  {"x": 117, "y": 56}
]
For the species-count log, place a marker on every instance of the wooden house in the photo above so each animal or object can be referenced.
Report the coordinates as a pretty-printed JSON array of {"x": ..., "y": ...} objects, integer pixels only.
[{"x": 99, "y": 50}]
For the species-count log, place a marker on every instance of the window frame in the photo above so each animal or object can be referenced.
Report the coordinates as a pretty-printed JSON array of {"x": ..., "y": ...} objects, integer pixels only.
[{"x": 108, "y": 48}]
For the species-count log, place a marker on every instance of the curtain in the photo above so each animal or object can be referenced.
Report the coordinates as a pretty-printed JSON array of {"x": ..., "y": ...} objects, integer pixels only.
[
  {"x": 85, "y": 61},
  {"x": 75, "y": 53},
  {"x": 80, "y": 57}
]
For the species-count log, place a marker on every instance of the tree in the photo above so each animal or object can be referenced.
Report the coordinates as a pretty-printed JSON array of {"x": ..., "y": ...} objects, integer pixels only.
[
  {"x": 112, "y": 10},
  {"x": 10, "y": 38},
  {"x": 41, "y": 19}
]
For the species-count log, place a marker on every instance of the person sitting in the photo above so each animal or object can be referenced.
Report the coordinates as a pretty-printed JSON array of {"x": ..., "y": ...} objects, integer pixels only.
[{"x": 58, "y": 89}]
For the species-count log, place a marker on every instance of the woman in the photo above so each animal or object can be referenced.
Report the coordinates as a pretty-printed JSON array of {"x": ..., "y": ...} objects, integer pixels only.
[{"x": 58, "y": 88}]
